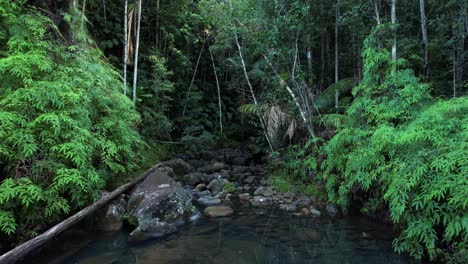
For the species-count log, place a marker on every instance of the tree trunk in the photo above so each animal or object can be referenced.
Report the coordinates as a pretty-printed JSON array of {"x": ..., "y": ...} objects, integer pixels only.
[
  {"x": 83, "y": 16},
  {"x": 125, "y": 48},
  {"x": 424, "y": 36},
  {"x": 337, "y": 20},
  {"x": 157, "y": 23},
  {"x": 246, "y": 75},
  {"x": 377, "y": 12},
  {"x": 193, "y": 79},
  {"x": 394, "y": 45},
  {"x": 219, "y": 93},
  {"x": 135, "y": 73},
  {"x": 294, "y": 97},
  {"x": 24, "y": 249}
]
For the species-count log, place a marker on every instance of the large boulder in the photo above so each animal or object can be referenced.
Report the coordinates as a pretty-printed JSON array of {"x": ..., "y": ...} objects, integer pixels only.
[
  {"x": 160, "y": 205},
  {"x": 110, "y": 218},
  {"x": 179, "y": 166}
]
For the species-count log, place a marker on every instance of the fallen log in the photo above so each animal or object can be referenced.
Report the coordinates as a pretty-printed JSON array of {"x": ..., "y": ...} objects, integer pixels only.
[{"x": 24, "y": 249}]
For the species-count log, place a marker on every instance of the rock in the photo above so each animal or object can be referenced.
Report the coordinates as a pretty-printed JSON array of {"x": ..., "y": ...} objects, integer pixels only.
[
  {"x": 244, "y": 197},
  {"x": 200, "y": 187},
  {"x": 197, "y": 163},
  {"x": 249, "y": 179},
  {"x": 217, "y": 185},
  {"x": 160, "y": 205},
  {"x": 240, "y": 169},
  {"x": 110, "y": 218},
  {"x": 282, "y": 207},
  {"x": 315, "y": 212},
  {"x": 239, "y": 161},
  {"x": 260, "y": 201},
  {"x": 179, "y": 166},
  {"x": 209, "y": 201},
  {"x": 258, "y": 170},
  {"x": 209, "y": 169},
  {"x": 228, "y": 197},
  {"x": 291, "y": 207},
  {"x": 303, "y": 202},
  {"x": 218, "y": 211},
  {"x": 194, "y": 178},
  {"x": 331, "y": 210},
  {"x": 264, "y": 191},
  {"x": 289, "y": 195},
  {"x": 207, "y": 155},
  {"x": 204, "y": 193},
  {"x": 299, "y": 214},
  {"x": 305, "y": 211}
]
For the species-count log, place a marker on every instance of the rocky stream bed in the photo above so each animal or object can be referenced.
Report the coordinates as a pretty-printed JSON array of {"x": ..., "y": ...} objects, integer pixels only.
[{"x": 216, "y": 207}]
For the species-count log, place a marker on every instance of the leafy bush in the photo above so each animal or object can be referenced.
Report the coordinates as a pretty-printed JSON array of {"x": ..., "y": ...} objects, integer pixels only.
[
  {"x": 229, "y": 187},
  {"x": 65, "y": 127},
  {"x": 406, "y": 153}
]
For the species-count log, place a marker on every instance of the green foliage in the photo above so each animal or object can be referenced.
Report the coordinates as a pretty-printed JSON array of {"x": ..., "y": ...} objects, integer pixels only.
[
  {"x": 405, "y": 153},
  {"x": 65, "y": 126},
  {"x": 131, "y": 220},
  {"x": 229, "y": 187}
]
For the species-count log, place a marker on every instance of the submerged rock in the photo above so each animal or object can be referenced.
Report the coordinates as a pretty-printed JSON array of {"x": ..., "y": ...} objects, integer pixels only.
[
  {"x": 218, "y": 211},
  {"x": 160, "y": 205},
  {"x": 111, "y": 217}
]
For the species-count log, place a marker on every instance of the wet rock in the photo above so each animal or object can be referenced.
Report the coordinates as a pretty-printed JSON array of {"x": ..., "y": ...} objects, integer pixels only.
[
  {"x": 209, "y": 169},
  {"x": 305, "y": 211},
  {"x": 204, "y": 193},
  {"x": 244, "y": 196},
  {"x": 260, "y": 201},
  {"x": 249, "y": 179},
  {"x": 200, "y": 187},
  {"x": 218, "y": 211},
  {"x": 291, "y": 207},
  {"x": 239, "y": 161},
  {"x": 110, "y": 218},
  {"x": 264, "y": 191},
  {"x": 194, "y": 178},
  {"x": 331, "y": 210},
  {"x": 179, "y": 166},
  {"x": 314, "y": 211},
  {"x": 303, "y": 202},
  {"x": 217, "y": 185},
  {"x": 160, "y": 205},
  {"x": 209, "y": 201}
]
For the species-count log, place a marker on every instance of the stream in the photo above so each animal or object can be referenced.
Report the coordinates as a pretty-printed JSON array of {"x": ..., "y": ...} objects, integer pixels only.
[
  {"x": 249, "y": 236},
  {"x": 253, "y": 234}
]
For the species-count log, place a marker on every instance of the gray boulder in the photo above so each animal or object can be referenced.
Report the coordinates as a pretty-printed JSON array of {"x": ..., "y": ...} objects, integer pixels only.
[
  {"x": 193, "y": 178},
  {"x": 217, "y": 185},
  {"x": 331, "y": 210},
  {"x": 209, "y": 200},
  {"x": 160, "y": 205}
]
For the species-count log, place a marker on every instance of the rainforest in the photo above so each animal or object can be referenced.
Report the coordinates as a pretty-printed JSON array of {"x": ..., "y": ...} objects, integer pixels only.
[{"x": 233, "y": 131}]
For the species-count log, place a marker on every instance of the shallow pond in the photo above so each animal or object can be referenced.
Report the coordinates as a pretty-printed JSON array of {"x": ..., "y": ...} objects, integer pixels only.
[{"x": 250, "y": 236}]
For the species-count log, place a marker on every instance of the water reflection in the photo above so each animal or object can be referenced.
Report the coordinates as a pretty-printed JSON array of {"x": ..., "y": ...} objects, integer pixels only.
[{"x": 268, "y": 236}]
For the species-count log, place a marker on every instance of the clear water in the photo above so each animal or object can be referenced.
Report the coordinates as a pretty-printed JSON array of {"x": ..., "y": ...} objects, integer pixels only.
[{"x": 250, "y": 236}]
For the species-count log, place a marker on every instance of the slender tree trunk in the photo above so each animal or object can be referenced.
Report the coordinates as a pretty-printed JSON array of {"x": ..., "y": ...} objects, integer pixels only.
[
  {"x": 246, "y": 75},
  {"x": 135, "y": 74},
  {"x": 294, "y": 97},
  {"x": 125, "y": 48},
  {"x": 219, "y": 93},
  {"x": 157, "y": 23},
  {"x": 454, "y": 72},
  {"x": 83, "y": 16},
  {"x": 393, "y": 18},
  {"x": 377, "y": 13},
  {"x": 337, "y": 20},
  {"x": 424, "y": 36},
  {"x": 193, "y": 79}
]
